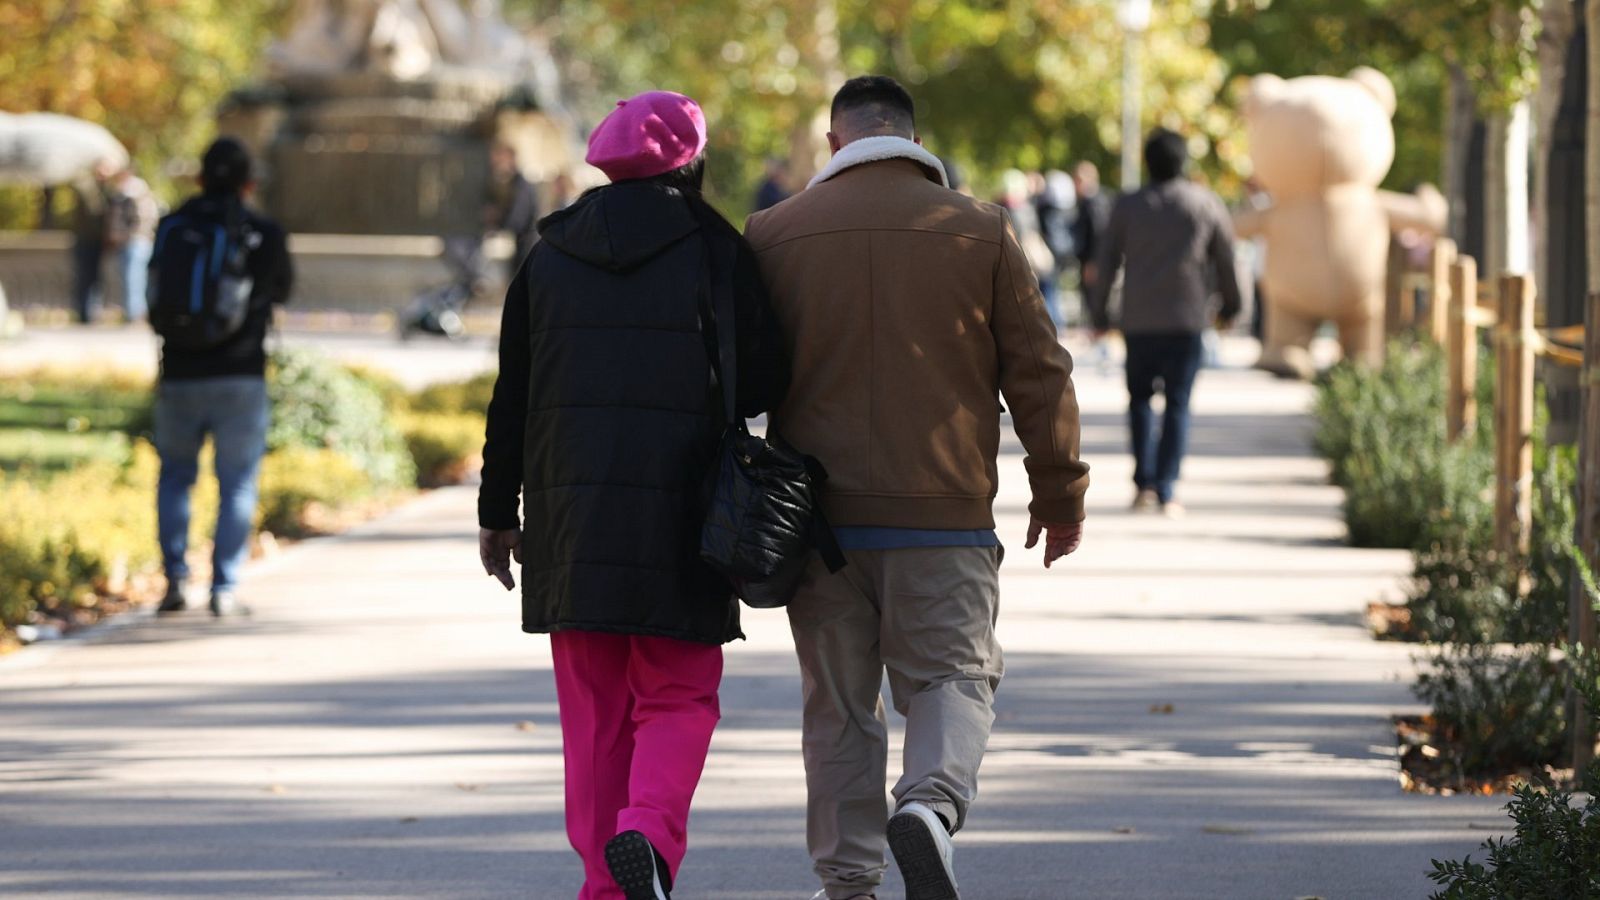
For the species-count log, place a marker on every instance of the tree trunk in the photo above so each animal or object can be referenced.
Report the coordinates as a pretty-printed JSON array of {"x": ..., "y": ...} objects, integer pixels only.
[
  {"x": 818, "y": 43},
  {"x": 1563, "y": 281},
  {"x": 1582, "y": 611},
  {"x": 1557, "y": 20},
  {"x": 1507, "y": 246},
  {"x": 1461, "y": 112}
]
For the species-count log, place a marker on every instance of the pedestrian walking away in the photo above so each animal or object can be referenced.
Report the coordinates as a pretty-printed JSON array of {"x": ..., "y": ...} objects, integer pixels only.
[
  {"x": 89, "y": 219},
  {"x": 605, "y": 420},
  {"x": 131, "y": 216},
  {"x": 910, "y": 309},
  {"x": 217, "y": 270},
  {"x": 1172, "y": 240}
]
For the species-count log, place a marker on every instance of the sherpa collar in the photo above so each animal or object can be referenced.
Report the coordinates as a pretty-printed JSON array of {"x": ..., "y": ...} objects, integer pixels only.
[{"x": 873, "y": 149}]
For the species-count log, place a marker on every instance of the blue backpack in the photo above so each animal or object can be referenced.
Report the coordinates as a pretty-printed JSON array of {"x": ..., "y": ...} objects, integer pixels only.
[{"x": 199, "y": 288}]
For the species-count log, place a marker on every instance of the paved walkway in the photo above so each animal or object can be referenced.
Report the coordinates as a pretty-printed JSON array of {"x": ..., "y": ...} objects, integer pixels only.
[{"x": 381, "y": 729}]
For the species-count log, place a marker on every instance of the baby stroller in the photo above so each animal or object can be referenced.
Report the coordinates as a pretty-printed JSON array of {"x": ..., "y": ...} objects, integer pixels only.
[{"x": 437, "y": 310}]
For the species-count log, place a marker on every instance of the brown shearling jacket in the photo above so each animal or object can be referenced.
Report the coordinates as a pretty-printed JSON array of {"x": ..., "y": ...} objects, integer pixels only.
[{"x": 909, "y": 308}]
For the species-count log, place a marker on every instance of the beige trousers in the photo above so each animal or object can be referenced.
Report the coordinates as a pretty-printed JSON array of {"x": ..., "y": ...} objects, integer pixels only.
[{"x": 926, "y": 616}]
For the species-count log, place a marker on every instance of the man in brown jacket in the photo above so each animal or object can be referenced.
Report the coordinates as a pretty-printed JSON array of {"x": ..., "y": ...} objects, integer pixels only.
[{"x": 910, "y": 309}]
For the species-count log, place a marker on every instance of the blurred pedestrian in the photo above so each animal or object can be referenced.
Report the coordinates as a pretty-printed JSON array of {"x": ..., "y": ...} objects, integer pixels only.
[
  {"x": 911, "y": 309},
  {"x": 1056, "y": 206},
  {"x": 1171, "y": 239},
  {"x": 1088, "y": 224},
  {"x": 217, "y": 270},
  {"x": 603, "y": 422},
  {"x": 131, "y": 216},
  {"x": 89, "y": 222},
  {"x": 774, "y": 186},
  {"x": 563, "y": 191},
  {"x": 1016, "y": 199},
  {"x": 512, "y": 204}
]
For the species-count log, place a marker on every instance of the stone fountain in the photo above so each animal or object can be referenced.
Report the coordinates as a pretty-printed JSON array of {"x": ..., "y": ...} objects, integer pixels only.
[{"x": 376, "y": 115}]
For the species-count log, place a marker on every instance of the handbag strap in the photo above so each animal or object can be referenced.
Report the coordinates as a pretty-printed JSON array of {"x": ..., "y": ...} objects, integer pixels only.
[{"x": 716, "y": 311}]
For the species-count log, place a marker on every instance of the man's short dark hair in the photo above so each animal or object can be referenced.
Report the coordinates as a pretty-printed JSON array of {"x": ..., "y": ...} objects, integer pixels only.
[
  {"x": 1166, "y": 155},
  {"x": 226, "y": 167},
  {"x": 877, "y": 94}
]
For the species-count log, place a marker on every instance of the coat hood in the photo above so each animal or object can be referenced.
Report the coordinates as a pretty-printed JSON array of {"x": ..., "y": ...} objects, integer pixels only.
[{"x": 621, "y": 226}]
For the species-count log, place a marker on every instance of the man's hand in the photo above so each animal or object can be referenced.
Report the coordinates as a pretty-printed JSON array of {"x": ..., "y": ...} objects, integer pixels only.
[
  {"x": 1059, "y": 540},
  {"x": 496, "y": 549}
]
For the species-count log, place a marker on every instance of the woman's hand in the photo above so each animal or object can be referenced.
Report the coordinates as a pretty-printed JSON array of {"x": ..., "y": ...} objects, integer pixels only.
[{"x": 496, "y": 549}]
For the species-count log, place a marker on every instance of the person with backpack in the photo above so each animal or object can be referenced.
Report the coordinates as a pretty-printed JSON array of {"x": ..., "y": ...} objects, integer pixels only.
[
  {"x": 605, "y": 422},
  {"x": 217, "y": 270}
]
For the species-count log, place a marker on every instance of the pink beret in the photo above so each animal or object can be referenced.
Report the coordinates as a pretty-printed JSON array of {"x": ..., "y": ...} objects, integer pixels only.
[{"x": 648, "y": 135}]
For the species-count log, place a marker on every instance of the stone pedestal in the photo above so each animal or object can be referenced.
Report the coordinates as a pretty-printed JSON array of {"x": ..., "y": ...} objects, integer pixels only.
[{"x": 364, "y": 153}]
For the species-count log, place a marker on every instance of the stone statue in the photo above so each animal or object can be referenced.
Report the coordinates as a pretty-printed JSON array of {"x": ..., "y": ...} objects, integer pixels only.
[{"x": 402, "y": 39}]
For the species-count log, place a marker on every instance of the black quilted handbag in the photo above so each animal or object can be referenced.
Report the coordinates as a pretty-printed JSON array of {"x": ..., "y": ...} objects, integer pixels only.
[{"x": 763, "y": 515}]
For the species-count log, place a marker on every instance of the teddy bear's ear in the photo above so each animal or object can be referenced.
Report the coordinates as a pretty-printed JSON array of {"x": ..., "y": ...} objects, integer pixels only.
[
  {"x": 1378, "y": 85},
  {"x": 1263, "y": 90}
]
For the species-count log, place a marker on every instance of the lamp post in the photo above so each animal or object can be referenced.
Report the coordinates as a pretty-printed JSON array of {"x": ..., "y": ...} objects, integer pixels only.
[{"x": 1134, "y": 17}]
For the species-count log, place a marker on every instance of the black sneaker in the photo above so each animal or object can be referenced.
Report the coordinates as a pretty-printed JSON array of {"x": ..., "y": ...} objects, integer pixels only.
[
  {"x": 175, "y": 600},
  {"x": 638, "y": 868}
]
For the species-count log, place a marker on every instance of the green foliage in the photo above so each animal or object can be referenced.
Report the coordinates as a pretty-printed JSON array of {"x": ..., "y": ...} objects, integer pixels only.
[
  {"x": 446, "y": 447},
  {"x": 1028, "y": 83},
  {"x": 318, "y": 404},
  {"x": 1463, "y": 592},
  {"x": 1496, "y": 711},
  {"x": 471, "y": 395},
  {"x": 297, "y": 482},
  {"x": 52, "y": 420},
  {"x": 1554, "y": 853},
  {"x": 152, "y": 71},
  {"x": 1382, "y": 432},
  {"x": 66, "y": 537}
]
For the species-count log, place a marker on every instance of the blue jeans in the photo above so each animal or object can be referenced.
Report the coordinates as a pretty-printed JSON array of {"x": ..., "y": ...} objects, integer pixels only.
[
  {"x": 233, "y": 411},
  {"x": 133, "y": 259},
  {"x": 1169, "y": 363}
]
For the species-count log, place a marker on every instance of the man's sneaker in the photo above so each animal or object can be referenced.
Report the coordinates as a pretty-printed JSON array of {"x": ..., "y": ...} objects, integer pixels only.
[
  {"x": 1146, "y": 501},
  {"x": 225, "y": 603},
  {"x": 922, "y": 850},
  {"x": 175, "y": 600},
  {"x": 638, "y": 868}
]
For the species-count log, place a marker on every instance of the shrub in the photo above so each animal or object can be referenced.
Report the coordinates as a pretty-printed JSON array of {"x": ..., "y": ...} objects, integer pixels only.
[
  {"x": 297, "y": 482},
  {"x": 1463, "y": 591},
  {"x": 1496, "y": 711},
  {"x": 445, "y": 447},
  {"x": 318, "y": 404},
  {"x": 469, "y": 396},
  {"x": 1554, "y": 852},
  {"x": 1383, "y": 434}
]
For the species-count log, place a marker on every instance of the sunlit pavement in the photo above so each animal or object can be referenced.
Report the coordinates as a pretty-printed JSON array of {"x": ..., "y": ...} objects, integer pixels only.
[{"x": 382, "y": 729}]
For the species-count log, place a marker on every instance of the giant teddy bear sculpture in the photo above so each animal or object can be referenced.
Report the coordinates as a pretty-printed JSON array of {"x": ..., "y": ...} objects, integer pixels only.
[{"x": 1321, "y": 146}]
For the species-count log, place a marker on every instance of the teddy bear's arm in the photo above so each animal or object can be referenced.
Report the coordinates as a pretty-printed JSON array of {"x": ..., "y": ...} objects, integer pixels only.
[{"x": 1425, "y": 210}]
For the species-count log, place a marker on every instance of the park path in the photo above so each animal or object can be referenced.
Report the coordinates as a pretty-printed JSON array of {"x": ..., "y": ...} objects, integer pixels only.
[{"x": 382, "y": 729}]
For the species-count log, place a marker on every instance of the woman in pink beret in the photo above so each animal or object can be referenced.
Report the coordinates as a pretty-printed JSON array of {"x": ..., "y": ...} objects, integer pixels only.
[{"x": 605, "y": 422}]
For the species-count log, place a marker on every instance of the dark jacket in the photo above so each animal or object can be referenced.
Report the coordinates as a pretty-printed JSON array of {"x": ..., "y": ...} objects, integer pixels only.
[
  {"x": 1089, "y": 225},
  {"x": 605, "y": 417},
  {"x": 273, "y": 275},
  {"x": 1174, "y": 242}
]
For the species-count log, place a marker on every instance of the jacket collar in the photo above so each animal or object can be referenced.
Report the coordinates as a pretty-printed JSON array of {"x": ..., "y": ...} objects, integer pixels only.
[{"x": 875, "y": 149}]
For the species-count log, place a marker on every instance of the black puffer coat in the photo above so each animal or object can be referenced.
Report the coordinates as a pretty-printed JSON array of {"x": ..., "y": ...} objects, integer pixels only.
[{"x": 605, "y": 415}]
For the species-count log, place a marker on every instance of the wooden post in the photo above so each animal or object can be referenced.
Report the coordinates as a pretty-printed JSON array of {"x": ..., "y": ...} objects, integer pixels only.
[
  {"x": 1461, "y": 349},
  {"x": 1399, "y": 307},
  {"x": 1440, "y": 290},
  {"x": 1513, "y": 410},
  {"x": 1582, "y": 629}
]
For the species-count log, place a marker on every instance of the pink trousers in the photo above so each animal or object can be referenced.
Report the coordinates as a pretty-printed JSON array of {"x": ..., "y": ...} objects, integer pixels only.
[{"x": 636, "y": 720}]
